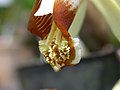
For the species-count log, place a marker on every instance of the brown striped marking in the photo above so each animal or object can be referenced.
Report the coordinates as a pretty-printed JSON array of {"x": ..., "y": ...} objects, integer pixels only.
[{"x": 39, "y": 25}]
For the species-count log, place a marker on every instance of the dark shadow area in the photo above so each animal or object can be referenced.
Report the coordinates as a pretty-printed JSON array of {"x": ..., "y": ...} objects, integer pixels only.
[{"x": 98, "y": 72}]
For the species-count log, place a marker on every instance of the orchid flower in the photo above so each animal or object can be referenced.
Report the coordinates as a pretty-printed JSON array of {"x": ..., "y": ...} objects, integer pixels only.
[{"x": 51, "y": 20}]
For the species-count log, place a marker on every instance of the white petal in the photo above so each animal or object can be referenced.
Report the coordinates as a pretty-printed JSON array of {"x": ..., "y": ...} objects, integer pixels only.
[{"x": 46, "y": 7}]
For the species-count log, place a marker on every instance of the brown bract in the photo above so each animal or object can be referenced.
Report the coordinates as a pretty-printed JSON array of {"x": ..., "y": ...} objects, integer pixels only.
[
  {"x": 39, "y": 25},
  {"x": 63, "y": 16}
]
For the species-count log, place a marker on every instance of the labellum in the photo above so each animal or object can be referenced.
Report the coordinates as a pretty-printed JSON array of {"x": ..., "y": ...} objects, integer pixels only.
[{"x": 51, "y": 22}]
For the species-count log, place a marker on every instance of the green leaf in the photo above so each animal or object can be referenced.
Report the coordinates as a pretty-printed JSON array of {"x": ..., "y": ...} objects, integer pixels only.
[
  {"x": 26, "y": 3},
  {"x": 78, "y": 20},
  {"x": 110, "y": 9}
]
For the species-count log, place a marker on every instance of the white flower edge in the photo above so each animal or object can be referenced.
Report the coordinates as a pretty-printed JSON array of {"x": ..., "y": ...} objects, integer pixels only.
[
  {"x": 73, "y": 3},
  {"x": 77, "y": 51},
  {"x": 45, "y": 8}
]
